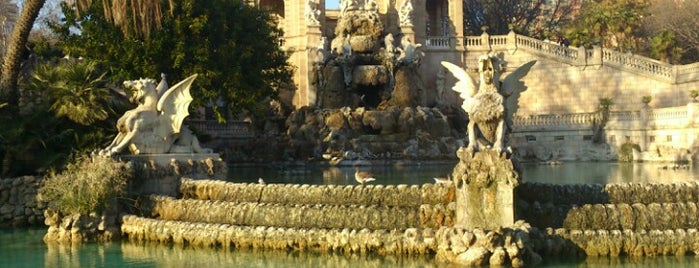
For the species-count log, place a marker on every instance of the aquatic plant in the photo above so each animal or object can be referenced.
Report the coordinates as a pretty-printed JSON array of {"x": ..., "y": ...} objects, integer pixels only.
[{"x": 88, "y": 184}]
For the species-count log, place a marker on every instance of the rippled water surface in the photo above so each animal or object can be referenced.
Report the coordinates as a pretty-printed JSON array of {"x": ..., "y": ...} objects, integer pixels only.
[
  {"x": 419, "y": 173},
  {"x": 24, "y": 247}
]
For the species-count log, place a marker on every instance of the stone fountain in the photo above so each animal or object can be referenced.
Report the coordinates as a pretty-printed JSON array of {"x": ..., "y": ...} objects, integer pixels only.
[{"x": 365, "y": 67}]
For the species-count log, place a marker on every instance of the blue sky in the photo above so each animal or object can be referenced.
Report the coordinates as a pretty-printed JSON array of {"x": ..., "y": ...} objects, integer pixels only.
[{"x": 332, "y": 3}]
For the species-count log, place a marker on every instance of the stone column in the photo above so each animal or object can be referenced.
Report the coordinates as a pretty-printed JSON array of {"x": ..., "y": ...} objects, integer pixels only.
[
  {"x": 692, "y": 113},
  {"x": 485, "y": 184},
  {"x": 313, "y": 36}
]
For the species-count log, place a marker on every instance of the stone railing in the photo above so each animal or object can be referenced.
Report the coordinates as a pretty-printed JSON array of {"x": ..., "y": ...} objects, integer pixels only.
[
  {"x": 555, "y": 122},
  {"x": 581, "y": 56},
  {"x": 671, "y": 117},
  {"x": 230, "y": 129},
  {"x": 438, "y": 41},
  {"x": 659, "y": 118}
]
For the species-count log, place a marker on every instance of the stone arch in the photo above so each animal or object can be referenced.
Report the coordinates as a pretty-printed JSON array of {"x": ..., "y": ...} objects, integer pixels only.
[{"x": 437, "y": 23}]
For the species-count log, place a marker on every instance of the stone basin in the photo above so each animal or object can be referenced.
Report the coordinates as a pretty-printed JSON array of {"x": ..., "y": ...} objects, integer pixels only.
[
  {"x": 370, "y": 75},
  {"x": 363, "y": 43}
]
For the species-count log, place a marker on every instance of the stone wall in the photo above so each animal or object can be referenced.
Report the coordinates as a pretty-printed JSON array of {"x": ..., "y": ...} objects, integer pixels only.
[
  {"x": 474, "y": 247},
  {"x": 387, "y": 195},
  {"x": 18, "y": 202},
  {"x": 611, "y": 206},
  {"x": 373, "y": 217}
]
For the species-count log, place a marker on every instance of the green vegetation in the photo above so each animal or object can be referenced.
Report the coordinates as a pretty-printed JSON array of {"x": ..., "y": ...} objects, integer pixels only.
[
  {"x": 87, "y": 185},
  {"x": 234, "y": 47},
  {"x": 71, "y": 112},
  {"x": 610, "y": 24},
  {"x": 626, "y": 151}
]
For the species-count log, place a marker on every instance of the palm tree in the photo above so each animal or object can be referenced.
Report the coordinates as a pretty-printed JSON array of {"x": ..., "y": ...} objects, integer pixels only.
[
  {"x": 8, "y": 15},
  {"x": 137, "y": 15}
]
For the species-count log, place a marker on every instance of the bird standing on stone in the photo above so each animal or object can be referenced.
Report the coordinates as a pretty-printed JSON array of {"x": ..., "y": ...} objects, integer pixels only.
[
  {"x": 363, "y": 177},
  {"x": 445, "y": 181}
]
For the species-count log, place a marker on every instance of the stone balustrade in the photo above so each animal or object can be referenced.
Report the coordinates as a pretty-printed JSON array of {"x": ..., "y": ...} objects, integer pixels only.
[
  {"x": 231, "y": 129},
  {"x": 553, "y": 122},
  {"x": 584, "y": 57},
  {"x": 438, "y": 41}
]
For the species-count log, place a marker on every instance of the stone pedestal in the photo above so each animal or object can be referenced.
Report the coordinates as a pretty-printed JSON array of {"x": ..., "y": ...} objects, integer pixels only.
[
  {"x": 161, "y": 173},
  {"x": 485, "y": 184}
]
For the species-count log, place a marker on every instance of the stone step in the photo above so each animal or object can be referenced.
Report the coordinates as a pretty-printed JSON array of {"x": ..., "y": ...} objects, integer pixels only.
[
  {"x": 299, "y": 216},
  {"x": 346, "y": 240},
  {"x": 629, "y": 193},
  {"x": 635, "y": 243},
  {"x": 621, "y": 216},
  {"x": 388, "y": 195}
]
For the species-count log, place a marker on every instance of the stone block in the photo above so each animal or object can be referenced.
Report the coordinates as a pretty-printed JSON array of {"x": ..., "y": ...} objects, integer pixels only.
[{"x": 485, "y": 184}]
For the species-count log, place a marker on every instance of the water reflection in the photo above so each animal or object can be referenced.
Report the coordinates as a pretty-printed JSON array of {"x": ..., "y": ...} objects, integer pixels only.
[
  {"x": 394, "y": 173},
  {"x": 419, "y": 173},
  {"x": 607, "y": 172},
  {"x": 177, "y": 256}
]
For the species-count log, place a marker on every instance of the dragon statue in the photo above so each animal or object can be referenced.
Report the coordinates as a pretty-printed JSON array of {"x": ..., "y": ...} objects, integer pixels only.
[
  {"x": 155, "y": 125},
  {"x": 485, "y": 101}
]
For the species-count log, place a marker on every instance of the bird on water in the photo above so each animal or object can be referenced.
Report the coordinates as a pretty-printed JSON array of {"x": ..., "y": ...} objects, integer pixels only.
[{"x": 363, "y": 177}]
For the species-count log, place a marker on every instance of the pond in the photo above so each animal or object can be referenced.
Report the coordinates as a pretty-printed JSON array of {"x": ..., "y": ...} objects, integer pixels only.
[
  {"x": 424, "y": 172},
  {"x": 25, "y": 248}
]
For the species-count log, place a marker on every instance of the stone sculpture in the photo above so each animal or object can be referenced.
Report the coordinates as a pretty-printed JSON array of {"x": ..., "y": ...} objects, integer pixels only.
[
  {"x": 405, "y": 16},
  {"x": 409, "y": 53},
  {"x": 312, "y": 13},
  {"x": 484, "y": 102},
  {"x": 155, "y": 125}
]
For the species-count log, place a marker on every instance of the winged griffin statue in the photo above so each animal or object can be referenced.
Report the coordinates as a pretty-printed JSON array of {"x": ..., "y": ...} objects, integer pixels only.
[
  {"x": 155, "y": 125},
  {"x": 485, "y": 100}
]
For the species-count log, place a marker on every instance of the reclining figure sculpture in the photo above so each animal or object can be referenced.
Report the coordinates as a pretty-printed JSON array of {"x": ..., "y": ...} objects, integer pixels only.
[
  {"x": 484, "y": 102},
  {"x": 155, "y": 125}
]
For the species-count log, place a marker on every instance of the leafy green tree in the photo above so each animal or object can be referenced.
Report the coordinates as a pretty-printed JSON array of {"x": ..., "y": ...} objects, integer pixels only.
[
  {"x": 664, "y": 46},
  {"x": 235, "y": 49},
  {"x": 609, "y": 23}
]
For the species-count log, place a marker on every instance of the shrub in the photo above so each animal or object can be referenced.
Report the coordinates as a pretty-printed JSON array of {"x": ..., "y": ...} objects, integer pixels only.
[{"x": 89, "y": 184}]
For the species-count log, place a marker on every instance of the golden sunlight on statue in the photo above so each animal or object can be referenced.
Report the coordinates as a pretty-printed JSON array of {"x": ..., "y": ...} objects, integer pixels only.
[
  {"x": 155, "y": 125},
  {"x": 484, "y": 102}
]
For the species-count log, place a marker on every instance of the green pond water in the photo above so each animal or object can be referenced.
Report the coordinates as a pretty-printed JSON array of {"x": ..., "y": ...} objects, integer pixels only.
[
  {"x": 419, "y": 173},
  {"x": 25, "y": 248}
]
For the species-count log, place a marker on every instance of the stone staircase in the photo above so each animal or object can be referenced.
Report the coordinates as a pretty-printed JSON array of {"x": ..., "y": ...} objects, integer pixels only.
[
  {"x": 374, "y": 218},
  {"x": 637, "y": 219}
]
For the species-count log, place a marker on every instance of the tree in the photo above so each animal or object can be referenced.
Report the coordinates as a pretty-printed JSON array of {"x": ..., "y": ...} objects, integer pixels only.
[
  {"x": 536, "y": 18},
  {"x": 8, "y": 15},
  {"x": 234, "y": 47},
  {"x": 147, "y": 14},
  {"x": 609, "y": 23},
  {"x": 674, "y": 27}
]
